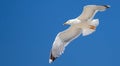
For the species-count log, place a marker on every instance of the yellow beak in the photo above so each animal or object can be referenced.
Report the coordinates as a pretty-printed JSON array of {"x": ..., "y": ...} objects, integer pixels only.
[{"x": 65, "y": 23}]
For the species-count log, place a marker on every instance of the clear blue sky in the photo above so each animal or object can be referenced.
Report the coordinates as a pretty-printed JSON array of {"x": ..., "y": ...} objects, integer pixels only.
[{"x": 28, "y": 29}]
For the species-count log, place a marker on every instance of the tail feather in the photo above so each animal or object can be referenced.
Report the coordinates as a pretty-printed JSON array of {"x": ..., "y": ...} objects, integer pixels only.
[
  {"x": 92, "y": 27},
  {"x": 88, "y": 31},
  {"x": 94, "y": 22}
]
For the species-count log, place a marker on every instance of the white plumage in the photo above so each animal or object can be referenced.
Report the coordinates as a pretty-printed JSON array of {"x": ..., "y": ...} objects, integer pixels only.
[{"x": 84, "y": 24}]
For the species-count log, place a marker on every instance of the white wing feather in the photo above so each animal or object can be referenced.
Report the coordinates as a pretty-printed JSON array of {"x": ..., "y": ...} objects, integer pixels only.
[
  {"x": 89, "y": 12},
  {"x": 62, "y": 40}
]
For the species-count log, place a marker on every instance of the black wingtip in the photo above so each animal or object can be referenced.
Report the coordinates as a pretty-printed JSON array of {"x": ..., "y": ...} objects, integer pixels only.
[
  {"x": 107, "y": 6},
  {"x": 52, "y": 58}
]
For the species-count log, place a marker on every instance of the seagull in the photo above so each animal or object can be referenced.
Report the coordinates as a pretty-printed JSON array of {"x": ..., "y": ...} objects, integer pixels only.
[{"x": 83, "y": 24}]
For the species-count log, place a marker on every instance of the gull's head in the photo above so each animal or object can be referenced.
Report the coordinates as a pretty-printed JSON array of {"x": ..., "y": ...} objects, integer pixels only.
[
  {"x": 97, "y": 7},
  {"x": 72, "y": 22}
]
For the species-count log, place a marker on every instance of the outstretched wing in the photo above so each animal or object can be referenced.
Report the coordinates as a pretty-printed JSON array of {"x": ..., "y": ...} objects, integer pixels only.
[
  {"x": 61, "y": 41},
  {"x": 89, "y": 11}
]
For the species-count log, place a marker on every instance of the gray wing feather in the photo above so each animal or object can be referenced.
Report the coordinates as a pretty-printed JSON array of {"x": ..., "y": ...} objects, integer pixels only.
[
  {"x": 89, "y": 12},
  {"x": 62, "y": 40}
]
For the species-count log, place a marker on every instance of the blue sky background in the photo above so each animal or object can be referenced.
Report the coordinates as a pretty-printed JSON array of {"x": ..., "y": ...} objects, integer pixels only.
[{"x": 28, "y": 29}]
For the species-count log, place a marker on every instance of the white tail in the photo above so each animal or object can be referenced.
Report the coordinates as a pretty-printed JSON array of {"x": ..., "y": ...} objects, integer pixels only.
[{"x": 93, "y": 24}]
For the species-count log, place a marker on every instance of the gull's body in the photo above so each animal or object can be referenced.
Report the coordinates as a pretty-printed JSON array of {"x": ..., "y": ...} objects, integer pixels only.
[{"x": 84, "y": 24}]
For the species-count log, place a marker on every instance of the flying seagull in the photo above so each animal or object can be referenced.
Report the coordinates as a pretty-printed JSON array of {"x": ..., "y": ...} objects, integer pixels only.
[{"x": 83, "y": 24}]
